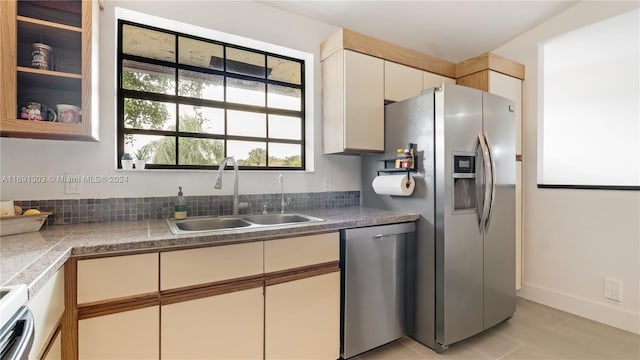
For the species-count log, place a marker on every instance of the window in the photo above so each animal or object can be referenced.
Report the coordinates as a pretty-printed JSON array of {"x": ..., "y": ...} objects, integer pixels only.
[
  {"x": 186, "y": 102},
  {"x": 589, "y": 133}
]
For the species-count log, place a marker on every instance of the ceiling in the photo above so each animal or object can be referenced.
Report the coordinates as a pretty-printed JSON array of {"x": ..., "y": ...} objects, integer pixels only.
[{"x": 450, "y": 30}]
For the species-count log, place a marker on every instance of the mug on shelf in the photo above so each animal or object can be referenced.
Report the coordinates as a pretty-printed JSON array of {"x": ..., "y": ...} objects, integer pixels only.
[
  {"x": 68, "y": 113},
  {"x": 41, "y": 56},
  {"x": 36, "y": 111}
]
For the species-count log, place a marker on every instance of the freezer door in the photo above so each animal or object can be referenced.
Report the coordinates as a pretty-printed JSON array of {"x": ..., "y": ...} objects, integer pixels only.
[
  {"x": 500, "y": 235},
  {"x": 459, "y": 246}
]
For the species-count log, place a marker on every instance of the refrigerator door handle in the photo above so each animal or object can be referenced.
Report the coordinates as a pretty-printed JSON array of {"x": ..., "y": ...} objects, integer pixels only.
[
  {"x": 492, "y": 162},
  {"x": 487, "y": 180}
]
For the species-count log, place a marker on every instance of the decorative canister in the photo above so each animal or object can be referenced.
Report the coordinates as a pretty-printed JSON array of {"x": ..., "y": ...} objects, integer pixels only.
[{"x": 40, "y": 56}]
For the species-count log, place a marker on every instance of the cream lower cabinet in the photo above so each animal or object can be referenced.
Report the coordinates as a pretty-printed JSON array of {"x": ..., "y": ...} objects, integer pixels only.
[
  {"x": 130, "y": 334},
  {"x": 226, "y": 326},
  {"x": 302, "y": 318},
  {"x": 47, "y": 308},
  {"x": 302, "y": 297}
]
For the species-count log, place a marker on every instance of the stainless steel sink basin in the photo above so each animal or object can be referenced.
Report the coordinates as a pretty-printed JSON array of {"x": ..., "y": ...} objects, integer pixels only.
[
  {"x": 215, "y": 223},
  {"x": 271, "y": 219},
  {"x": 207, "y": 224}
]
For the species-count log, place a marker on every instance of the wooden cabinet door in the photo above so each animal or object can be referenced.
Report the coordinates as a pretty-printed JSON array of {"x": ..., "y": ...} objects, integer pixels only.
[
  {"x": 401, "y": 82},
  {"x": 131, "y": 334},
  {"x": 226, "y": 326},
  {"x": 302, "y": 318}
]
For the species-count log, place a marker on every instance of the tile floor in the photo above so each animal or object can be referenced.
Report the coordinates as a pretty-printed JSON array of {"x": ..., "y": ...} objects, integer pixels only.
[{"x": 534, "y": 332}]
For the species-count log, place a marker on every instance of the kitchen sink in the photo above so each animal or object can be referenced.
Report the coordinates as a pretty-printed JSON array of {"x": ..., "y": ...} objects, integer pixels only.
[
  {"x": 271, "y": 219},
  {"x": 219, "y": 223}
]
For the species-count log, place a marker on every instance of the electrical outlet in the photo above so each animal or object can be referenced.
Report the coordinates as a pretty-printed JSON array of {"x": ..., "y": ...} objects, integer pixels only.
[
  {"x": 72, "y": 184},
  {"x": 613, "y": 289}
]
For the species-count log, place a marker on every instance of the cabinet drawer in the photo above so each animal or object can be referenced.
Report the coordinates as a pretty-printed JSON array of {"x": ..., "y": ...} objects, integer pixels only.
[
  {"x": 183, "y": 268},
  {"x": 301, "y": 251},
  {"x": 116, "y": 277}
]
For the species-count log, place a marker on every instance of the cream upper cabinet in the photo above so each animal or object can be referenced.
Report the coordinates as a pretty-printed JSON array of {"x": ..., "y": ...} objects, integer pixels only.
[
  {"x": 430, "y": 80},
  {"x": 401, "y": 82},
  {"x": 131, "y": 334},
  {"x": 225, "y": 326},
  {"x": 352, "y": 103}
]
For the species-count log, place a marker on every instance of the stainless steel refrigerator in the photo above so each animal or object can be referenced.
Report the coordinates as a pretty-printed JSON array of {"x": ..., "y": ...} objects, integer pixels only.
[{"x": 463, "y": 273}]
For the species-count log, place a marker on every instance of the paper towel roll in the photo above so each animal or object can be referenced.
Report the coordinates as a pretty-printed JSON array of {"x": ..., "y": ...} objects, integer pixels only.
[{"x": 398, "y": 185}]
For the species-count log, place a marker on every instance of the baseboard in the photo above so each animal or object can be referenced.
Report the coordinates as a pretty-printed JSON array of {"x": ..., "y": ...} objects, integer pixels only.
[{"x": 601, "y": 312}]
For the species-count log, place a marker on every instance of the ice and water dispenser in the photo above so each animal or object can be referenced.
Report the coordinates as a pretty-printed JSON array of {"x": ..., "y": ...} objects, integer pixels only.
[{"x": 464, "y": 181}]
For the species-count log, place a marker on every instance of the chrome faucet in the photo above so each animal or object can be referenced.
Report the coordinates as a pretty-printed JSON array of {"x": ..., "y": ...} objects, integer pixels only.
[
  {"x": 218, "y": 184},
  {"x": 282, "y": 203}
]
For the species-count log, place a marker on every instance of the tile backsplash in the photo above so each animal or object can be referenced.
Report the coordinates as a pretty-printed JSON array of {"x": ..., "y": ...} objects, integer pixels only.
[{"x": 75, "y": 211}]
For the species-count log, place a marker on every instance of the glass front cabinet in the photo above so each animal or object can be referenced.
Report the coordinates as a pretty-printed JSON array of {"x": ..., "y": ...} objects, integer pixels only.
[{"x": 49, "y": 69}]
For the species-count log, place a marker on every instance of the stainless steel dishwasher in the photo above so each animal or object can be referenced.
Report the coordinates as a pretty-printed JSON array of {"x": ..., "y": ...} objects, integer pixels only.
[{"x": 374, "y": 286}]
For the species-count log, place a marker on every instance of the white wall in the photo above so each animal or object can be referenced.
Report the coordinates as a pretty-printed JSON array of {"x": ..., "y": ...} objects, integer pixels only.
[
  {"x": 573, "y": 239},
  {"x": 247, "y": 19}
]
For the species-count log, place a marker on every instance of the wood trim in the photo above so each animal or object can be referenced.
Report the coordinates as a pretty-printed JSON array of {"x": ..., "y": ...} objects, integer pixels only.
[
  {"x": 303, "y": 272},
  {"x": 479, "y": 80},
  {"x": 351, "y": 40},
  {"x": 52, "y": 338},
  {"x": 48, "y": 24},
  {"x": 70, "y": 318},
  {"x": 518, "y": 157},
  {"x": 87, "y": 80},
  {"x": 48, "y": 72},
  {"x": 113, "y": 306},
  {"x": 489, "y": 61},
  {"x": 8, "y": 61},
  {"x": 173, "y": 296}
]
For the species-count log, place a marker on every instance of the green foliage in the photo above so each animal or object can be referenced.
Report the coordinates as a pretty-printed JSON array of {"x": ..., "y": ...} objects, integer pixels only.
[{"x": 144, "y": 114}]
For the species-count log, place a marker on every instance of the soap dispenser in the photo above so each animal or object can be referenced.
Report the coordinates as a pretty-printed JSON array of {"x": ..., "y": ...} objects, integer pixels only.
[{"x": 180, "y": 206}]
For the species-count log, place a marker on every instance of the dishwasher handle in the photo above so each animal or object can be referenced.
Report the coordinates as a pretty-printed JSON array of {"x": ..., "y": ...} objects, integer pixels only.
[
  {"x": 379, "y": 231},
  {"x": 17, "y": 340}
]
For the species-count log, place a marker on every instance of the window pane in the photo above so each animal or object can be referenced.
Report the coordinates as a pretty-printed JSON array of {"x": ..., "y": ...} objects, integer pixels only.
[
  {"x": 148, "y": 77},
  {"x": 282, "y": 97},
  {"x": 147, "y": 114},
  {"x": 284, "y": 70},
  {"x": 200, "y": 53},
  {"x": 287, "y": 155},
  {"x": 248, "y": 153},
  {"x": 201, "y": 119},
  {"x": 244, "y": 123},
  {"x": 148, "y": 43},
  {"x": 158, "y": 149},
  {"x": 245, "y": 62},
  {"x": 195, "y": 151},
  {"x": 245, "y": 92},
  {"x": 200, "y": 85},
  {"x": 285, "y": 127}
]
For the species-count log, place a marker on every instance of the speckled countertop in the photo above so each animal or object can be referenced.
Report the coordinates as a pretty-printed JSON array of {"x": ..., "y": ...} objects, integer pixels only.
[{"x": 34, "y": 257}]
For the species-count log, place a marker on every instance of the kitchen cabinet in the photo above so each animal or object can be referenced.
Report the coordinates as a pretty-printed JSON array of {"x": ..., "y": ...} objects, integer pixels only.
[
  {"x": 500, "y": 76},
  {"x": 49, "y": 57},
  {"x": 302, "y": 298},
  {"x": 47, "y": 308},
  {"x": 430, "y": 80},
  {"x": 302, "y": 318},
  {"x": 352, "y": 103},
  {"x": 212, "y": 302},
  {"x": 401, "y": 82},
  {"x": 116, "y": 277},
  {"x": 133, "y": 334},
  {"x": 226, "y": 326}
]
